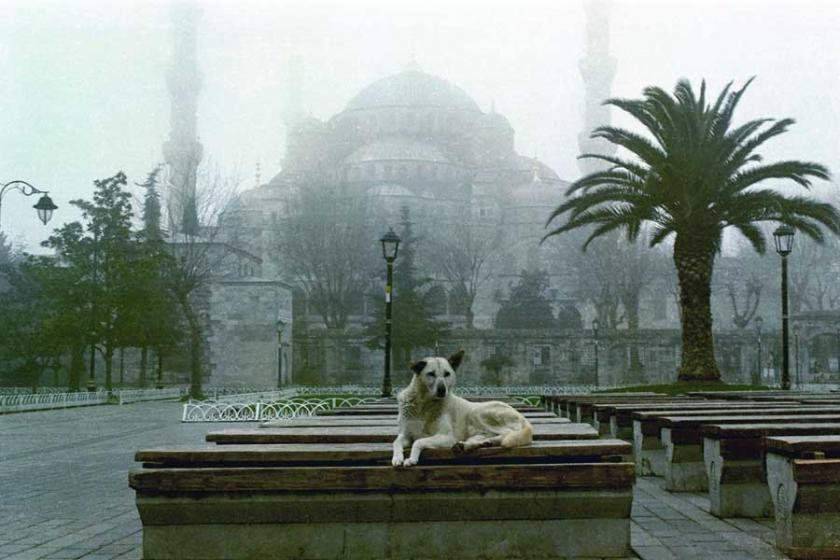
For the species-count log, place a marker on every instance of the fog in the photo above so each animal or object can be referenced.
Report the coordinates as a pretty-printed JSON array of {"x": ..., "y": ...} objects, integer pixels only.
[{"x": 84, "y": 92}]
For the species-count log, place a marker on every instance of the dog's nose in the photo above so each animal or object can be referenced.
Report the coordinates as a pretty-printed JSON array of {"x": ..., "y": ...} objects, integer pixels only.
[{"x": 441, "y": 391}]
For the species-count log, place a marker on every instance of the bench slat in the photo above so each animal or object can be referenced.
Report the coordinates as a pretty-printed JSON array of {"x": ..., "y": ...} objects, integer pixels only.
[
  {"x": 370, "y": 434},
  {"x": 280, "y": 453},
  {"x": 362, "y": 478},
  {"x": 315, "y": 421}
]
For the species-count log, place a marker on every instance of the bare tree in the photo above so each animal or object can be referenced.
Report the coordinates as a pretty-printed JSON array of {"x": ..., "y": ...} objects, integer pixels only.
[
  {"x": 325, "y": 243},
  {"x": 199, "y": 255},
  {"x": 463, "y": 253}
]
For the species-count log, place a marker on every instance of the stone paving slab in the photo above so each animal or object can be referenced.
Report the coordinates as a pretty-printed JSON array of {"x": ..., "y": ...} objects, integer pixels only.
[
  {"x": 679, "y": 526},
  {"x": 65, "y": 494}
]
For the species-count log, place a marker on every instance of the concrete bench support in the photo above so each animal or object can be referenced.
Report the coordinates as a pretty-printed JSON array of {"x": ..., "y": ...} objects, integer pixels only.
[
  {"x": 648, "y": 452},
  {"x": 684, "y": 467},
  {"x": 369, "y": 526},
  {"x": 736, "y": 487}
]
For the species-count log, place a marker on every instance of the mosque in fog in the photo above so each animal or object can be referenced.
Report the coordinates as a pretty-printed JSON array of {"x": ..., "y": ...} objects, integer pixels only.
[{"x": 412, "y": 139}]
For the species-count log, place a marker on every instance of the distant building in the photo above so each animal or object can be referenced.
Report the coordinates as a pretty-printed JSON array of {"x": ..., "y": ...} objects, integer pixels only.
[{"x": 417, "y": 140}]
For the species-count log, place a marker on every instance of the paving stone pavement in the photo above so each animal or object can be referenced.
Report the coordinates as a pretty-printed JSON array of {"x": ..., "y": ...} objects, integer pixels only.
[
  {"x": 678, "y": 525},
  {"x": 64, "y": 491},
  {"x": 64, "y": 478}
]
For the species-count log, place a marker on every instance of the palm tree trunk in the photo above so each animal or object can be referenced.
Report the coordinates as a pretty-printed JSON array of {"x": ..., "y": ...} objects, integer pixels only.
[{"x": 694, "y": 262}]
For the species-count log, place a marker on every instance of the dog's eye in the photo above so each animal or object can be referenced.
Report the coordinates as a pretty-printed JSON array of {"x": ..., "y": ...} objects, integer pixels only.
[
  {"x": 446, "y": 374},
  {"x": 430, "y": 373}
]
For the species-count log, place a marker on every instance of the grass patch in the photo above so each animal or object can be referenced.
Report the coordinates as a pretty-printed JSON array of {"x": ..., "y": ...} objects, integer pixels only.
[{"x": 685, "y": 387}]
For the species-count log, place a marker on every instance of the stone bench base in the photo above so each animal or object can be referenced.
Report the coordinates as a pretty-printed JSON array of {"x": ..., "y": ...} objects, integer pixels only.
[
  {"x": 737, "y": 488},
  {"x": 648, "y": 453},
  {"x": 685, "y": 470},
  {"x": 807, "y": 508},
  {"x": 464, "y": 525}
]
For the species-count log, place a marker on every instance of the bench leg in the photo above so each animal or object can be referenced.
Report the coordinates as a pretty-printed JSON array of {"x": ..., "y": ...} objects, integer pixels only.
[
  {"x": 684, "y": 468},
  {"x": 736, "y": 488},
  {"x": 648, "y": 453}
]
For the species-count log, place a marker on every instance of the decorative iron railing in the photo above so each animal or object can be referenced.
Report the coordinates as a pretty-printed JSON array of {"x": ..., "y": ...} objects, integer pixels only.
[
  {"x": 242, "y": 411},
  {"x": 45, "y": 401}
]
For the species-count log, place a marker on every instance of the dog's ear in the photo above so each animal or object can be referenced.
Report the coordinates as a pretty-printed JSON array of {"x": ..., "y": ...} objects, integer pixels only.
[
  {"x": 456, "y": 359},
  {"x": 417, "y": 367}
]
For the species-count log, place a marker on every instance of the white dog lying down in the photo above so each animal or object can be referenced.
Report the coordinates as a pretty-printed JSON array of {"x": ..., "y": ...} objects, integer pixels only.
[{"x": 431, "y": 417}]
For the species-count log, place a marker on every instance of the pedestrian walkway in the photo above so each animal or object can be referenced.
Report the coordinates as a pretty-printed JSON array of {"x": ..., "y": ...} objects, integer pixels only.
[
  {"x": 679, "y": 525},
  {"x": 65, "y": 494}
]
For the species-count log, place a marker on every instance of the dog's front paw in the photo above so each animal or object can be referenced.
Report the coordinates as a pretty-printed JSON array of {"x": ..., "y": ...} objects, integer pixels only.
[
  {"x": 459, "y": 448},
  {"x": 410, "y": 462},
  {"x": 397, "y": 460}
]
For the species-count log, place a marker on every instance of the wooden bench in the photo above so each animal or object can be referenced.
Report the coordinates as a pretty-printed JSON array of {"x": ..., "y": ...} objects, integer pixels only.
[
  {"x": 566, "y": 405},
  {"x": 649, "y": 450},
  {"x": 370, "y": 434},
  {"x": 554, "y": 499},
  {"x": 619, "y": 416},
  {"x": 391, "y": 410},
  {"x": 382, "y": 420},
  {"x": 734, "y": 456},
  {"x": 803, "y": 478},
  {"x": 685, "y": 469}
]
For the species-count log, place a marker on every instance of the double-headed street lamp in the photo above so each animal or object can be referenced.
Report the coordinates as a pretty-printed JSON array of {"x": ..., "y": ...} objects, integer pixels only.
[
  {"x": 783, "y": 236},
  {"x": 45, "y": 206},
  {"x": 390, "y": 246}
]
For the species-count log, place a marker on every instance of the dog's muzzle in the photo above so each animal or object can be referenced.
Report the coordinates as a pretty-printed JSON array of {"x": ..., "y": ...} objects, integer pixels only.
[{"x": 440, "y": 391}]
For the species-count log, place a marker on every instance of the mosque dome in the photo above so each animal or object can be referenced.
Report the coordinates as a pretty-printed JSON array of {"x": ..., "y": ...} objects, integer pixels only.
[{"x": 412, "y": 88}]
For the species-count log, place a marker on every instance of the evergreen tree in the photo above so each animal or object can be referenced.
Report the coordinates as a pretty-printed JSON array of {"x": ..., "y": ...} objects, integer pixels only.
[
  {"x": 414, "y": 325},
  {"x": 527, "y": 306}
]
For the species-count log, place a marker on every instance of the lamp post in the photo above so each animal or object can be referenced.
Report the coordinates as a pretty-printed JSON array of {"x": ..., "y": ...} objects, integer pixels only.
[
  {"x": 796, "y": 331},
  {"x": 390, "y": 245},
  {"x": 45, "y": 206},
  {"x": 280, "y": 326},
  {"x": 596, "y": 325},
  {"x": 159, "y": 375},
  {"x": 91, "y": 384},
  {"x": 783, "y": 236},
  {"x": 759, "y": 322}
]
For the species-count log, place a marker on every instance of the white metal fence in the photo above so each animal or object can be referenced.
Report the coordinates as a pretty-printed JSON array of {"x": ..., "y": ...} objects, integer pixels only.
[
  {"x": 243, "y": 411},
  {"x": 46, "y": 401},
  {"x": 39, "y": 401},
  {"x": 126, "y": 396}
]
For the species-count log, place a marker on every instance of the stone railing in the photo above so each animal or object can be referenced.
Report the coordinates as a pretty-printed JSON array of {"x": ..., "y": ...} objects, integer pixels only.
[{"x": 243, "y": 411}]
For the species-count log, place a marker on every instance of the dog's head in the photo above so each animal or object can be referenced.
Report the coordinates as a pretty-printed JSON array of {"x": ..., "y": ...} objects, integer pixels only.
[{"x": 437, "y": 375}]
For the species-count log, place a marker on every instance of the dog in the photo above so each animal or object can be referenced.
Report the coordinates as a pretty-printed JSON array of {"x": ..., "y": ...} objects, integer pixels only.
[{"x": 431, "y": 417}]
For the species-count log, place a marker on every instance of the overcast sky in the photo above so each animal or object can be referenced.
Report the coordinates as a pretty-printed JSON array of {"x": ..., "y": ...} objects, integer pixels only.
[{"x": 83, "y": 91}]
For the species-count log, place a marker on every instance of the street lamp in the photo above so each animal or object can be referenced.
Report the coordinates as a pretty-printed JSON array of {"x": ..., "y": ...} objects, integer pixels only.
[
  {"x": 45, "y": 206},
  {"x": 759, "y": 322},
  {"x": 390, "y": 246},
  {"x": 280, "y": 326},
  {"x": 796, "y": 332},
  {"x": 783, "y": 236},
  {"x": 596, "y": 324}
]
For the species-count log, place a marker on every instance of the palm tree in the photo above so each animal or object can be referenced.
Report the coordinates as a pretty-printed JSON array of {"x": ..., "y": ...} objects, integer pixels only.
[{"x": 697, "y": 176}]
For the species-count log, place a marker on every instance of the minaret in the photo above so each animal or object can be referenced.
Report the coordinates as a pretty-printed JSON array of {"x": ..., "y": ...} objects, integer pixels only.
[
  {"x": 182, "y": 151},
  {"x": 292, "y": 104},
  {"x": 597, "y": 68}
]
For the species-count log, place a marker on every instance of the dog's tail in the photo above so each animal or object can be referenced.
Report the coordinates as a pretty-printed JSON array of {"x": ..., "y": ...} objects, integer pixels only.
[{"x": 522, "y": 436}]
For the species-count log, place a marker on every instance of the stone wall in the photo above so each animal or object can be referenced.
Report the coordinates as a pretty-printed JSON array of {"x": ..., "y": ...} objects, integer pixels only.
[
  {"x": 243, "y": 337},
  {"x": 326, "y": 357}
]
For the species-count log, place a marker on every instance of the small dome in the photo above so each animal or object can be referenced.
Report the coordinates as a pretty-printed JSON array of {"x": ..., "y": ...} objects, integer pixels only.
[
  {"x": 494, "y": 120},
  {"x": 412, "y": 88},
  {"x": 396, "y": 150}
]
